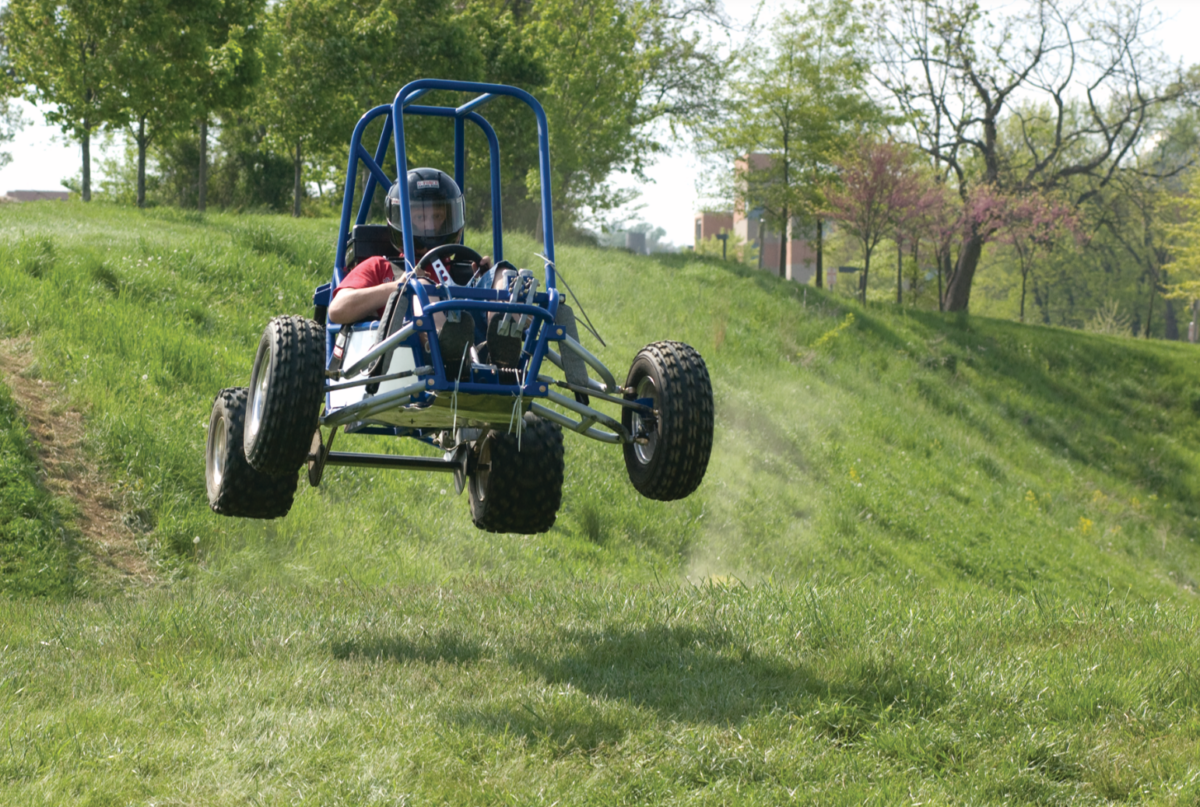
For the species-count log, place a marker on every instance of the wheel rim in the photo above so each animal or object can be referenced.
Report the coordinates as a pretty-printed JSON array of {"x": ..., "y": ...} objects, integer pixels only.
[
  {"x": 216, "y": 457},
  {"x": 479, "y": 479},
  {"x": 258, "y": 397},
  {"x": 645, "y": 453}
]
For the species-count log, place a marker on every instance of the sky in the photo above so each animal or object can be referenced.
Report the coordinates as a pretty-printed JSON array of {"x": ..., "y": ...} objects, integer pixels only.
[{"x": 42, "y": 157}]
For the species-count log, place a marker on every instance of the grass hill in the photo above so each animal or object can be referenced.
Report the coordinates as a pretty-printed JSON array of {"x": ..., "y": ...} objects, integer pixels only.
[{"x": 936, "y": 558}]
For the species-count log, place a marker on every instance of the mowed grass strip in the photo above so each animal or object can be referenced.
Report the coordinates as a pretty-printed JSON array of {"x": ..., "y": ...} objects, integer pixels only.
[
  {"x": 954, "y": 559},
  {"x": 38, "y": 552},
  {"x": 588, "y": 694}
]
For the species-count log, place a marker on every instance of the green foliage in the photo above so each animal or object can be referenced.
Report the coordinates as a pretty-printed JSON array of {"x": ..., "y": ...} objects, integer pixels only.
[
  {"x": 613, "y": 68},
  {"x": 605, "y": 74},
  {"x": 1110, "y": 320},
  {"x": 62, "y": 55},
  {"x": 169, "y": 64},
  {"x": 801, "y": 101},
  {"x": 1018, "y": 118},
  {"x": 227, "y": 72},
  {"x": 327, "y": 59},
  {"x": 61, "y": 52},
  {"x": 968, "y": 550},
  {"x": 1186, "y": 254},
  {"x": 734, "y": 248}
]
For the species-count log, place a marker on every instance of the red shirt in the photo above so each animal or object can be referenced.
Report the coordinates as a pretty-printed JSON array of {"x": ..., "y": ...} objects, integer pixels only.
[{"x": 370, "y": 273}]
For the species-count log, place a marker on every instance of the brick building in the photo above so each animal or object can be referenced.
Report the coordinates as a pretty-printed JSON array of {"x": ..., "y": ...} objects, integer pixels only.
[
  {"x": 711, "y": 224},
  {"x": 34, "y": 196},
  {"x": 749, "y": 226}
]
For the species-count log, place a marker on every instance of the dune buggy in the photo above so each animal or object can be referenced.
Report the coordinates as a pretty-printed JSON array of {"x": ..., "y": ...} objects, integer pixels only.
[{"x": 487, "y": 401}]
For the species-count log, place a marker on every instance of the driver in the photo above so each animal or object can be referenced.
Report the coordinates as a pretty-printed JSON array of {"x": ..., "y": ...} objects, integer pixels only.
[{"x": 438, "y": 217}]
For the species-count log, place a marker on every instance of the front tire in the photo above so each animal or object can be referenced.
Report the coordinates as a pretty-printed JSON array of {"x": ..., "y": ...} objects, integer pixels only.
[
  {"x": 234, "y": 487},
  {"x": 513, "y": 490},
  {"x": 671, "y": 460},
  {"x": 286, "y": 388}
]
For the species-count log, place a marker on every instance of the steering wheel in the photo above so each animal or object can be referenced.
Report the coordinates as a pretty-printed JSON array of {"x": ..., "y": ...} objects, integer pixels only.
[{"x": 455, "y": 257}]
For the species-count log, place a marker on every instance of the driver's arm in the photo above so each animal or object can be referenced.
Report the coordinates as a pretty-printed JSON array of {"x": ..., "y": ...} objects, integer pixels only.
[{"x": 352, "y": 305}]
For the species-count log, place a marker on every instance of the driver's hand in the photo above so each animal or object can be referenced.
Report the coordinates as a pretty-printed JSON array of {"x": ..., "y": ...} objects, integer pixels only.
[{"x": 484, "y": 264}]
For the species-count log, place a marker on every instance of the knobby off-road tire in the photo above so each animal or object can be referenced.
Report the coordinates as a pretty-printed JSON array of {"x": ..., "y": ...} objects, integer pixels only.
[
  {"x": 234, "y": 487},
  {"x": 286, "y": 388},
  {"x": 672, "y": 462},
  {"x": 518, "y": 491}
]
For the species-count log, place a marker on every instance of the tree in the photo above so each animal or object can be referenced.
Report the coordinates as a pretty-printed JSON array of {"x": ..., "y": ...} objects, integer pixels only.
[
  {"x": 614, "y": 68},
  {"x": 1078, "y": 78},
  {"x": 157, "y": 46},
  {"x": 62, "y": 51},
  {"x": 801, "y": 101},
  {"x": 1031, "y": 224},
  {"x": 328, "y": 61},
  {"x": 11, "y": 119},
  {"x": 1185, "y": 259},
  {"x": 230, "y": 68},
  {"x": 920, "y": 219},
  {"x": 879, "y": 187}
]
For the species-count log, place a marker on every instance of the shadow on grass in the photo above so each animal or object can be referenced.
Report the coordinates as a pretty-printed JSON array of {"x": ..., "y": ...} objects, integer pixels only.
[
  {"x": 445, "y": 646},
  {"x": 565, "y": 725},
  {"x": 1108, "y": 408},
  {"x": 707, "y": 676},
  {"x": 688, "y": 674}
]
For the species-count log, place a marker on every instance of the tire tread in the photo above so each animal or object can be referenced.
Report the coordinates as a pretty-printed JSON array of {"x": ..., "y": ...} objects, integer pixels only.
[
  {"x": 524, "y": 487},
  {"x": 294, "y": 395},
  {"x": 245, "y": 492},
  {"x": 685, "y": 422}
]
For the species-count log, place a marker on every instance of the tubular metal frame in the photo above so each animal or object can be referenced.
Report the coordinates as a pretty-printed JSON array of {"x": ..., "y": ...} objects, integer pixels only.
[{"x": 542, "y": 331}]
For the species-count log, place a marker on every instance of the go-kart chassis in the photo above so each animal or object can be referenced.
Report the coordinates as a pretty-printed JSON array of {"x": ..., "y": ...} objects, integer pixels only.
[{"x": 426, "y": 400}]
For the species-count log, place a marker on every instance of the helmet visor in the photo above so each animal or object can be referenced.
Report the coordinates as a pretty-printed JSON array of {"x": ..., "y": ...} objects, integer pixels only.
[{"x": 430, "y": 217}]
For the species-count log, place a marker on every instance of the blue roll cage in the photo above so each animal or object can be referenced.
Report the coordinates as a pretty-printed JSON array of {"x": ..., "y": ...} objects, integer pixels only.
[{"x": 541, "y": 331}]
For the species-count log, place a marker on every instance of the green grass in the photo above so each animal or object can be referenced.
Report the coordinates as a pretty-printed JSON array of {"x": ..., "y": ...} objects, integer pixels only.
[
  {"x": 37, "y": 550},
  {"x": 935, "y": 558}
]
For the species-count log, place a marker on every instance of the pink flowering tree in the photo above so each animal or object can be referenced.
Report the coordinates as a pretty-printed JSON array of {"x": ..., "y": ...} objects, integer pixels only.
[
  {"x": 1032, "y": 224},
  {"x": 879, "y": 188},
  {"x": 916, "y": 222},
  {"x": 1029, "y": 222},
  {"x": 944, "y": 226}
]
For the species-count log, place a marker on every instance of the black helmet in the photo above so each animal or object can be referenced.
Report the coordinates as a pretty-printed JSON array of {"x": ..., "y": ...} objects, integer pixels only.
[{"x": 436, "y": 205}]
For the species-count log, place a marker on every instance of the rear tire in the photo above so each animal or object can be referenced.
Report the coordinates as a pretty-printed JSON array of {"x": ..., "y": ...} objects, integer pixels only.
[
  {"x": 286, "y": 389},
  {"x": 234, "y": 487},
  {"x": 517, "y": 491},
  {"x": 671, "y": 464}
]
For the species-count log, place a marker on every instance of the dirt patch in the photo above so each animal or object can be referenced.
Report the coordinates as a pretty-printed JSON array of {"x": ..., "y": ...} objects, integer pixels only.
[{"x": 67, "y": 470}]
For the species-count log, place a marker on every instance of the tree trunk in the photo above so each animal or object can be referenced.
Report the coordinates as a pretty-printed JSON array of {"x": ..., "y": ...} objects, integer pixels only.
[
  {"x": 899, "y": 272},
  {"x": 1150, "y": 307},
  {"x": 1024, "y": 277},
  {"x": 783, "y": 245},
  {"x": 85, "y": 143},
  {"x": 820, "y": 253},
  {"x": 862, "y": 284},
  {"x": 297, "y": 188},
  {"x": 1041, "y": 298},
  {"x": 202, "y": 191},
  {"x": 141, "y": 165},
  {"x": 943, "y": 265},
  {"x": 958, "y": 290},
  {"x": 1170, "y": 323},
  {"x": 916, "y": 268}
]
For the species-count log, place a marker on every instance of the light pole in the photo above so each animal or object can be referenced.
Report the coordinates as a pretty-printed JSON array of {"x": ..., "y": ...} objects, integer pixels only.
[{"x": 724, "y": 239}]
